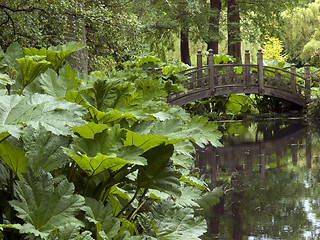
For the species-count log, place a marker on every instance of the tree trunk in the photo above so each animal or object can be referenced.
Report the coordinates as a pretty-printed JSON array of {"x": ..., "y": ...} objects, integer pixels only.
[
  {"x": 234, "y": 39},
  {"x": 214, "y": 26},
  {"x": 184, "y": 46},
  {"x": 80, "y": 59}
]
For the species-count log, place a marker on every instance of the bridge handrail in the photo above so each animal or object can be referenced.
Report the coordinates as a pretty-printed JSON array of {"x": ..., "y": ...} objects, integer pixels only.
[
  {"x": 284, "y": 70},
  {"x": 210, "y": 81}
]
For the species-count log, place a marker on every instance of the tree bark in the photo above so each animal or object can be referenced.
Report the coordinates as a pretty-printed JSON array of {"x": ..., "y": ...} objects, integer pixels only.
[
  {"x": 234, "y": 39},
  {"x": 214, "y": 26},
  {"x": 80, "y": 59},
  {"x": 184, "y": 46}
]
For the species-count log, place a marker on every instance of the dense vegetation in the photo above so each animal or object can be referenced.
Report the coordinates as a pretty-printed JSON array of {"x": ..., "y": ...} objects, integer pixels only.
[{"x": 96, "y": 156}]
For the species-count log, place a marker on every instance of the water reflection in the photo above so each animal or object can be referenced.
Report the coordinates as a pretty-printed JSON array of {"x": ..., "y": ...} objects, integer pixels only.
[{"x": 270, "y": 172}]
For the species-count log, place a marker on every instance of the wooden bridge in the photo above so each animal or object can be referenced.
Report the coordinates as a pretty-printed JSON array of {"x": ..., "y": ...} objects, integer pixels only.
[{"x": 220, "y": 79}]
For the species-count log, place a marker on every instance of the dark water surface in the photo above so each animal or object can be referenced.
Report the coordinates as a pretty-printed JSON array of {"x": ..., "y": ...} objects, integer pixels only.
[{"x": 270, "y": 172}]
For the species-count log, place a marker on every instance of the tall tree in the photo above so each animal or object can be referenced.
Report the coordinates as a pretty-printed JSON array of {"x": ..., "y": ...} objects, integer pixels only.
[
  {"x": 166, "y": 20},
  {"x": 233, "y": 25},
  {"x": 214, "y": 21}
]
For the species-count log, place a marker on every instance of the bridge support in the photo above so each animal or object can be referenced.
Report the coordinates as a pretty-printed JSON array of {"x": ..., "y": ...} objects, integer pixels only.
[
  {"x": 307, "y": 82},
  {"x": 247, "y": 67},
  {"x": 260, "y": 72},
  {"x": 211, "y": 72}
]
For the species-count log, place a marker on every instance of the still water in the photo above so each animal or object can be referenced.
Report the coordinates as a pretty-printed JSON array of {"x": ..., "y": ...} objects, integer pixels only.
[{"x": 270, "y": 173}]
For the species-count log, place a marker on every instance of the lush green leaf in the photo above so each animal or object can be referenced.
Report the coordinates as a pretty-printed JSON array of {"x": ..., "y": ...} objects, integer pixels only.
[
  {"x": 167, "y": 222},
  {"x": 43, "y": 149},
  {"x": 90, "y": 129},
  {"x": 13, "y": 157},
  {"x": 107, "y": 226},
  {"x": 160, "y": 173},
  {"x": 59, "y": 86},
  {"x": 105, "y": 151},
  {"x": 56, "y": 116},
  {"x": 55, "y": 55},
  {"x": 211, "y": 198},
  {"x": 31, "y": 67},
  {"x": 43, "y": 206},
  {"x": 189, "y": 195}
]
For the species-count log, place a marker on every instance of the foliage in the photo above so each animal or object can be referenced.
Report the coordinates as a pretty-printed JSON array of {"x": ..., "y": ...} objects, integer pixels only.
[
  {"x": 109, "y": 30},
  {"x": 309, "y": 49},
  {"x": 96, "y": 156},
  {"x": 300, "y": 33},
  {"x": 273, "y": 50},
  {"x": 314, "y": 109},
  {"x": 315, "y": 58}
]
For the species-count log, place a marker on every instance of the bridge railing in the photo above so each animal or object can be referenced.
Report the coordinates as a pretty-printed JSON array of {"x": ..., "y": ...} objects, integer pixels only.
[{"x": 243, "y": 77}]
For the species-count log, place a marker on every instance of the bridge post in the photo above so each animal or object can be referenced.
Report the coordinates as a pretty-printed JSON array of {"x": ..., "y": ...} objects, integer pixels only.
[
  {"x": 307, "y": 87},
  {"x": 199, "y": 65},
  {"x": 211, "y": 71},
  {"x": 247, "y": 67},
  {"x": 260, "y": 72},
  {"x": 293, "y": 79}
]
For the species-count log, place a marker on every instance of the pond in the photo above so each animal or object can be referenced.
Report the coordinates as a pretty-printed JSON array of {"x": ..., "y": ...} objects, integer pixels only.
[{"x": 270, "y": 173}]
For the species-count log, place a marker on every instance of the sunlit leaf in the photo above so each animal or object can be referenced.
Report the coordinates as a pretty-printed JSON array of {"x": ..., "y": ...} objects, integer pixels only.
[
  {"x": 105, "y": 151},
  {"x": 14, "y": 158},
  {"x": 31, "y": 67},
  {"x": 55, "y": 55},
  {"x": 90, "y": 129}
]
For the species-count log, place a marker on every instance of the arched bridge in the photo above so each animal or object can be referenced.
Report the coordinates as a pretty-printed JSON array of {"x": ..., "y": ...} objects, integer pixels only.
[{"x": 220, "y": 79}]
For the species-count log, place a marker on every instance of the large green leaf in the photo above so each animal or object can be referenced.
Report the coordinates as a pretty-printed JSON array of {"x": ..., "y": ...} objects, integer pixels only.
[
  {"x": 111, "y": 116},
  {"x": 105, "y": 151},
  {"x": 90, "y": 129},
  {"x": 14, "y": 158},
  {"x": 107, "y": 226},
  {"x": 209, "y": 131},
  {"x": 189, "y": 195},
  {"x": 45, "y": 207},
  {"x": 69, "y": 232},
  {"x": 43, "y": 149},
  {"x": 5, "y": 79},
  {"x": 12, "y": 53},
  {"x": 145, "y": 142},
  {"x": 31, "y": 67},
  {"x": 56, "y": 116},
  {"x": 168, "y": 222},
  {"x": 55, "y": 55},
  {"x": 160, "y": 173},
  {"x": 97, "y": 164},
  {"x": 59, "y": 86},
  {"x": 210, "y": 198}
]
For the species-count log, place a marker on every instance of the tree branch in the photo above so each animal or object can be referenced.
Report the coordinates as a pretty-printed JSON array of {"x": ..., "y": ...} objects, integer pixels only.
[
  {"x": 31, "y": 9},
  {"x": 11, "y": 20}
]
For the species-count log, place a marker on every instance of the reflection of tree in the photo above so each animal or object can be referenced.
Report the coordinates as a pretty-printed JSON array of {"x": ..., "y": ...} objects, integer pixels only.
[{"x": 275, "y": 212}]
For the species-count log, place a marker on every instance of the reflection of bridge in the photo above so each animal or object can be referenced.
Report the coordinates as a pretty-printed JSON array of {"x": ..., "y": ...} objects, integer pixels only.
[
  {"x": 220, "y": 79},
  {"x": 242, "y": 157}
]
